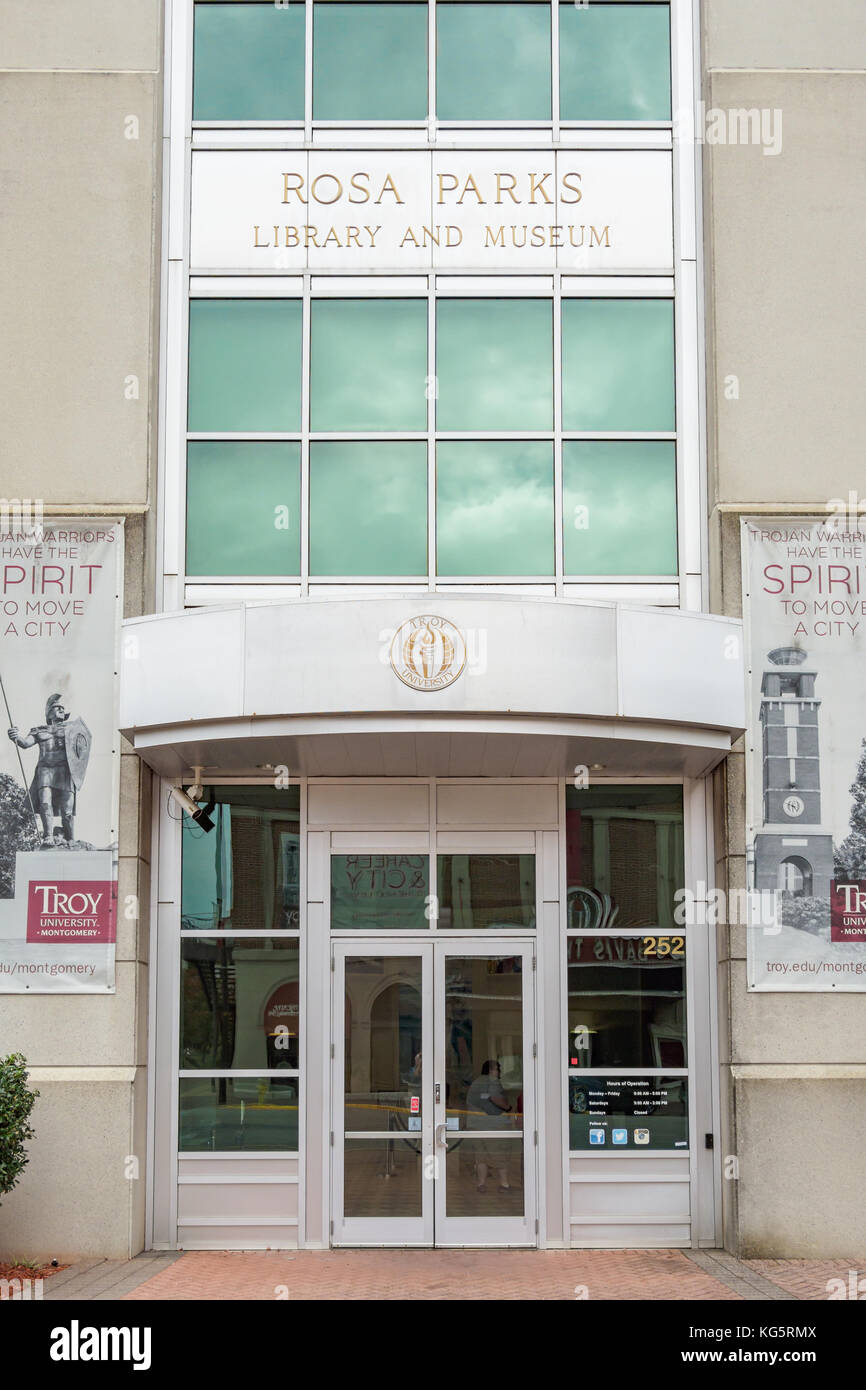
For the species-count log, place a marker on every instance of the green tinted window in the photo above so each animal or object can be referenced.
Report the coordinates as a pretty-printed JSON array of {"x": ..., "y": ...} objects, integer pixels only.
[
  {"x": 369, "y": 62},
  {"x": 619, "y": 507},
  {"x": 494, "y": 364},
  {"x": 626, "y": 1001},
  {"x": 618, "y": 364},
  {"x": 368, "y": 364},
  {"x": 233, "y": 1113},
  {"x": 239, "y": 1003},
  {"x": 494, "y": 508},
  {"x": 376, "y": 892},
  {"x": 244, "y": 364},
  {"x": 243, "y": 508},
  {"x": 487, "y": 892},
  {"x": 614, "y": 62},
  {"x": 368, "y": 508},
  {"x": 608, "y": 832},
  {"x": 492, "y": 62},
  {"x": 244, "y": 875},
  {"x": 249, "y": 63}
]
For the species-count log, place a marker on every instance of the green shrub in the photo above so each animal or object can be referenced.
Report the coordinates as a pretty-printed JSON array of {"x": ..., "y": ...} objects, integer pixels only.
[{"x": 16, "y": 1103}]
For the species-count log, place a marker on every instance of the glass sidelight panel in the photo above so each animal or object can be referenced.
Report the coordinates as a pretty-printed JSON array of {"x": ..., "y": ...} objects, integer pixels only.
[
  {"x": 239, "y": 1003},
  {"x": 233, "y": 1113},
  {"x": 626, "y": 1001},
  {"x": 489, "y": 892},
  {"x": 382, "y": 1076},
  {"x": 628, "y": 1112},
  {"x": 245, "y": 875},
  {"x": 624, "y": 857}
]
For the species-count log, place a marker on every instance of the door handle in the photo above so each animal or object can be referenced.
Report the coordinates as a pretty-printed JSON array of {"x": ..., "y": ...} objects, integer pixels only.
[{"x": 442, "y": 1135}]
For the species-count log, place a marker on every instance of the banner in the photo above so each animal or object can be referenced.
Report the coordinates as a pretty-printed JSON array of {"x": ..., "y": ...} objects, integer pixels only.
[
  {"x": 804, "y": 602},
  {"x": 60, "y": 610}
]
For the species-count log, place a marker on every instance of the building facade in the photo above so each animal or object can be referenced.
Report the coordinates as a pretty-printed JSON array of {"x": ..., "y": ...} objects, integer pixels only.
[{"x": 431, "y": 387}]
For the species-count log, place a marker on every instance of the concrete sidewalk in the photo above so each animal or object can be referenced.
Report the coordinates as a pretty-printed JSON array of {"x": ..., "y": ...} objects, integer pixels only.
[{"x": 519, "y": 1275}]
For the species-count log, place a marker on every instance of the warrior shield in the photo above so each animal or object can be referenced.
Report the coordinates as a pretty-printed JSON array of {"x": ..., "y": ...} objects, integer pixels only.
[{"x": 78, "y": 740}]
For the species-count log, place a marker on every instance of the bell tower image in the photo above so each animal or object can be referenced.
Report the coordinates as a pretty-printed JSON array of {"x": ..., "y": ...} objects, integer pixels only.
[{"x": 793, "y": 852}]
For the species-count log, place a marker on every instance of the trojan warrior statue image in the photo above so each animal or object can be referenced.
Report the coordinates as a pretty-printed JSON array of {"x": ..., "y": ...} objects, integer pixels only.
[{"x": 64, "y": 750}]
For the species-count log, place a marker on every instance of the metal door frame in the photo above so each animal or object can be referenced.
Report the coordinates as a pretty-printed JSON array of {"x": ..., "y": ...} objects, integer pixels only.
[{"x": 433, "y": 1228}]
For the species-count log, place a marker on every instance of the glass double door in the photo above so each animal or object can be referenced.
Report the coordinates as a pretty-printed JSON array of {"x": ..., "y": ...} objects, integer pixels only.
[{"x": 434, "y": 1138}]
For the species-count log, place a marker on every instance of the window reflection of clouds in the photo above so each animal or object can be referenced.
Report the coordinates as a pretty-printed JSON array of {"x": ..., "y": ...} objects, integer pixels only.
[
  {"x": 618, "y": 364},
  {"x": 493, "y": 62},
  {"x": 369, "y": 62},
  {"x": 244, "y": 364},
  {"x": 614, "y": 63},
  {"x": 629, "y": 489},
  {"x": 368, "y": 508},
  {"x": 233, "y": 491},
  {"x": 368, "y": 364},
  {"x": 494, "y": 505},
  {"x": 249, "y": 63},
  {"x": 494, "y": 364}
]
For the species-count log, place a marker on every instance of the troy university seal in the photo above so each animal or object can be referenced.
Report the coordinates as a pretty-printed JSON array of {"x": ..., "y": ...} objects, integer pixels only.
[{"x": 428, "y": 652}]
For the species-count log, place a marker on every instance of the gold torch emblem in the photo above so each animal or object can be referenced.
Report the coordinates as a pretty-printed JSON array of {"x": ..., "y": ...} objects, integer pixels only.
[{"x": 428, "y": 652}]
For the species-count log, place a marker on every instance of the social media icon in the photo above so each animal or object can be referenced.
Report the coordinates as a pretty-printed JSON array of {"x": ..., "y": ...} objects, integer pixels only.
[
  {"x": 596, "y": 1136},
  {"x": 619, "y": 1136},
  {"x": 641, "y": 1136}
]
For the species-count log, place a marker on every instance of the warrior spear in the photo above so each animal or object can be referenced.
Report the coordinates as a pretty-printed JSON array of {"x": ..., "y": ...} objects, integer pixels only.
[{"x": 18, "y": 750}]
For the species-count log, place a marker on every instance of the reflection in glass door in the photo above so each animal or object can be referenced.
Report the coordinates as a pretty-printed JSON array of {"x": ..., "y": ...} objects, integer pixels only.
[
  {"x": 433, "y": 1094},
  {"x": 382, "y": 1131},
  {"x": 486, "y": 1193}
]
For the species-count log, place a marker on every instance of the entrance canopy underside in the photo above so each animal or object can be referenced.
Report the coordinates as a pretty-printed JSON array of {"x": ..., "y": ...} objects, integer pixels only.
[{"x": 546, "y": 686}]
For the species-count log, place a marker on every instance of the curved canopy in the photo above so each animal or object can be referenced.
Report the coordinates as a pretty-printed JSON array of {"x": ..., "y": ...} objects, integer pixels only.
[{"x": 422, "y": 684}]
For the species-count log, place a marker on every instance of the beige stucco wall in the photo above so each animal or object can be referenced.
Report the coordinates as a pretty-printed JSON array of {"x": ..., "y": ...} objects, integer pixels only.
[
  {"x": 79, "y": 259},
  {"x": 786, "y": 309},
  {"x": 784, "y": 34},
  {"x": 80, "y": 124}
]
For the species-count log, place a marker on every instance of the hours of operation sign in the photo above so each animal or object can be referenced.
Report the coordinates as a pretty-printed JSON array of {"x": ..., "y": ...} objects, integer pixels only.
[{"x": 580, "y": 210}]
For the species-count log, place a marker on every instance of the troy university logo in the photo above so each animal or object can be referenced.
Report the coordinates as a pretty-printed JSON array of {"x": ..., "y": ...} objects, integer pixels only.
[{"x": 428, "y": 652}]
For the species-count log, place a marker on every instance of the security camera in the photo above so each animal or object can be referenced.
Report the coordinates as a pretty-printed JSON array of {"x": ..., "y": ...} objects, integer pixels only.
[{"x": 200, "y": 814}]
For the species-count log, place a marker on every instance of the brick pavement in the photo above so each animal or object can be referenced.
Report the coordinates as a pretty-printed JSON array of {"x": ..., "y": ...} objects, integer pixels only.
[
  {"x": 354, "y": 1275},
  {"x": 810, "y": 1279},
  {"x": 358, "y": 1275}
]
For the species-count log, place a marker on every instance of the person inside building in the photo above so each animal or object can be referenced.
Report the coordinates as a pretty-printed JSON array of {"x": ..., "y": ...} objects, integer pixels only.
[{"x": 488, "y": 1106}]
